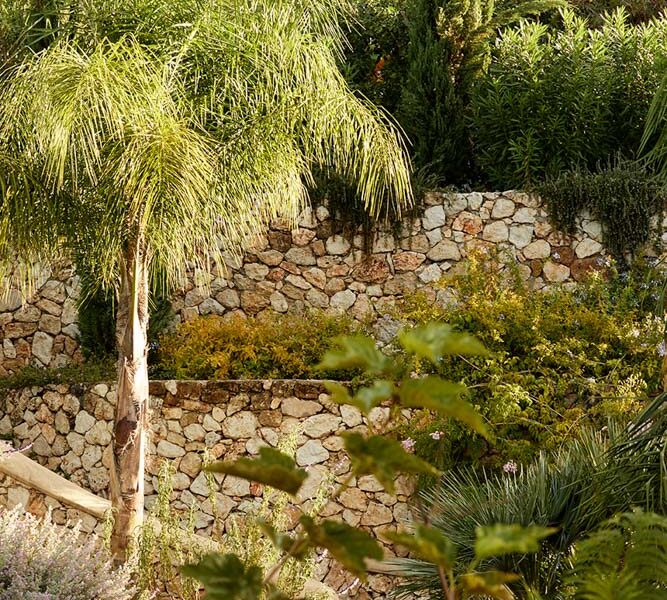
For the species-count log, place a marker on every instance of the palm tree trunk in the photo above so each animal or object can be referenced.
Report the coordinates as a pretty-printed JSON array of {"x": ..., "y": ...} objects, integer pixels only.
[{"x": 127, "y": 478}]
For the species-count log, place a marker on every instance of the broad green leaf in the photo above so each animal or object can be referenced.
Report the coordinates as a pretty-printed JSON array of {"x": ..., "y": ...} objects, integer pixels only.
[
  {"x": 366, "y": 398},
  {"x": 283, "y": 541},
  {"x": 428, "y": 544},
  {"x": 272, "y": 468},
  {"x": 383, "y": 458},
  {"x": 226, "y": 578},
  {"x": 356, "y": 352},
  {"x": 490, "y": 584},
  {"x": 348, "y": 545},
  {"x": 339, "y": 393},
  {"x": 443, "y": 397},
  {"x": 499, "y": 539},
  {"x": 435, "y": 340}
]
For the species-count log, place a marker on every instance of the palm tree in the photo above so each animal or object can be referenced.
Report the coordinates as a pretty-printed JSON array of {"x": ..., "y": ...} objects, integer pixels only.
[{"x": 149, "y": 133}]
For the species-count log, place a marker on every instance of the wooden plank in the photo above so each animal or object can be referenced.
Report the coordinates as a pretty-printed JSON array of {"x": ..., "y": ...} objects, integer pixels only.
[{"x": 35, "y": 476}]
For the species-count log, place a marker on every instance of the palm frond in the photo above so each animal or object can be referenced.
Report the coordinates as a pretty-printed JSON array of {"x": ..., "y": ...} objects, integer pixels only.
[
  {"x": 197, "y": 137},
  {"x": 623, "y": 558}
]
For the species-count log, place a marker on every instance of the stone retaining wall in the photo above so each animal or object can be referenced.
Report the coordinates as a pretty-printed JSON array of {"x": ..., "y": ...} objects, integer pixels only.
[
  {"x": 70, "y": 428},
  {"x": 316, "y": 266}
]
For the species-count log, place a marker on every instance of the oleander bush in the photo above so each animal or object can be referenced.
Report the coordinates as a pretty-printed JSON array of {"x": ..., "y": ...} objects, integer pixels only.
[
  {"x": 562, "y": 359},
  {"x": 263, "y": 347},
  {"x": 43, "y": 561},
  {"x": 558, "y": 98}
]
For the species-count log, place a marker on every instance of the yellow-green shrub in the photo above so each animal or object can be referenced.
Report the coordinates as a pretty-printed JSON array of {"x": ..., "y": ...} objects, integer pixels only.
[
  {"x": 562, "y": 358},
  {"x": 269, "y": 346}
]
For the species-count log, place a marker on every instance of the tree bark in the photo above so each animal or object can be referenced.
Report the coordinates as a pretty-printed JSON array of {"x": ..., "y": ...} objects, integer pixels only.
[{"x": 127, "y": 476}]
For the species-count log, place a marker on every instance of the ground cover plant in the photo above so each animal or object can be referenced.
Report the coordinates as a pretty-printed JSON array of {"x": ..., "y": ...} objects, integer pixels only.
[
  {"x": 43, "y": 561},
  {"x": 562, "y": 359}
]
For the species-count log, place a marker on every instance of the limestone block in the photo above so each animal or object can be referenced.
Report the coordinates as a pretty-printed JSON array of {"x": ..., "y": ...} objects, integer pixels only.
[
  {"x": 322, "y": 425},
  {"x": 295, "y": 407},
  {"x": 445, "y": 250},
  {"x": 312, "y": 452},
  {"x": 337, "y": 245},
  {"x": 169, "y": 450},
  {"x": 211, "y": 306},
  {"x": 42, "y": 345},
  {"x": 343, "y": 300},
  {"x": 407, "y": 261},
  {"x": 190, "y": 464},
  {"x": 503, "y": 208},
  {"x": 434, "y": 217},
  {"x": 301, "y": 256},
  {"x": 521, "y": 235},
  {"x": 99, "y": 434},
  {"x": 91, "y": 456},
  {"x": 555, "y": 272},
  {"x": 376, "y": 514},
  {"x": 239, "y": 426},
  {"x": 229, "y": 298},
  {"x": 496, "y": 232},
  {"x": 587, "y": 247},
  {"x": 537, "y": 249},
  {"x": 83, "y": 422}
]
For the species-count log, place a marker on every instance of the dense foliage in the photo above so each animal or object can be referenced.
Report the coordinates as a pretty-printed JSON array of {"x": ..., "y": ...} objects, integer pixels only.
[
  {"x": 623, "y": 197},
  {"x": 554, "y": 98},
  {"x": 264, "y": 347},
  {"x": 562, "y": 359},
  {"x": 43, "y": 561},
  {"x": 576, "y": 489}
]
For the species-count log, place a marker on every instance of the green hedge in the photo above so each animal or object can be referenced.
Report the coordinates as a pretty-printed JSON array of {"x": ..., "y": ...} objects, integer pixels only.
[{"x": 554, "y": 99}]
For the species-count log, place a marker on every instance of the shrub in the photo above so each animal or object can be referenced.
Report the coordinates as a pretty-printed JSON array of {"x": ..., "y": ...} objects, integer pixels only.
[
  {"x": 623, "y": 197},
  {"x": 374, "y": 62},
  {"x": 92, "y": 371},
  {"x": 448, "y": 49},
  {"x": 42, "y": 561},
  {"x": 554, "y": 99},
  {"x": 267, "y": 346},
  {"x": 638, "y": 10},
  {"x": 562, "y": 358}
]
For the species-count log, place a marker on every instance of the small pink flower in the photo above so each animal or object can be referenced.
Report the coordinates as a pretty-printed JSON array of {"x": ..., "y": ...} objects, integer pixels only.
[
  {"x": 510, "y": 467},
  {"x": 408, "y": 445},
  {"x": 436, "y": 435}
]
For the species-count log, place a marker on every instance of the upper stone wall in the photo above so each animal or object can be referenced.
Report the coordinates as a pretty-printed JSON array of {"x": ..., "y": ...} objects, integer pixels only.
[{"x": 316, "y": 266}]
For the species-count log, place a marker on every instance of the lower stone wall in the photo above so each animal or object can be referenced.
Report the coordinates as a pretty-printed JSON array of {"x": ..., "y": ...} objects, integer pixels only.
[{"x": 69, "y": 428}]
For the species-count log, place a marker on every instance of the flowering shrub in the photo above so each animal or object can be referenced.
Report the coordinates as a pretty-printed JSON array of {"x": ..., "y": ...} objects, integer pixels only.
[{"x": 42, "y": 561}]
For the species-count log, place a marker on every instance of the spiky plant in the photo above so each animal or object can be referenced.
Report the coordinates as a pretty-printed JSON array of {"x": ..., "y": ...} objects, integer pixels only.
[
  {"x": 150, "y": 133},
  {"x": 576, "y": 490}
]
